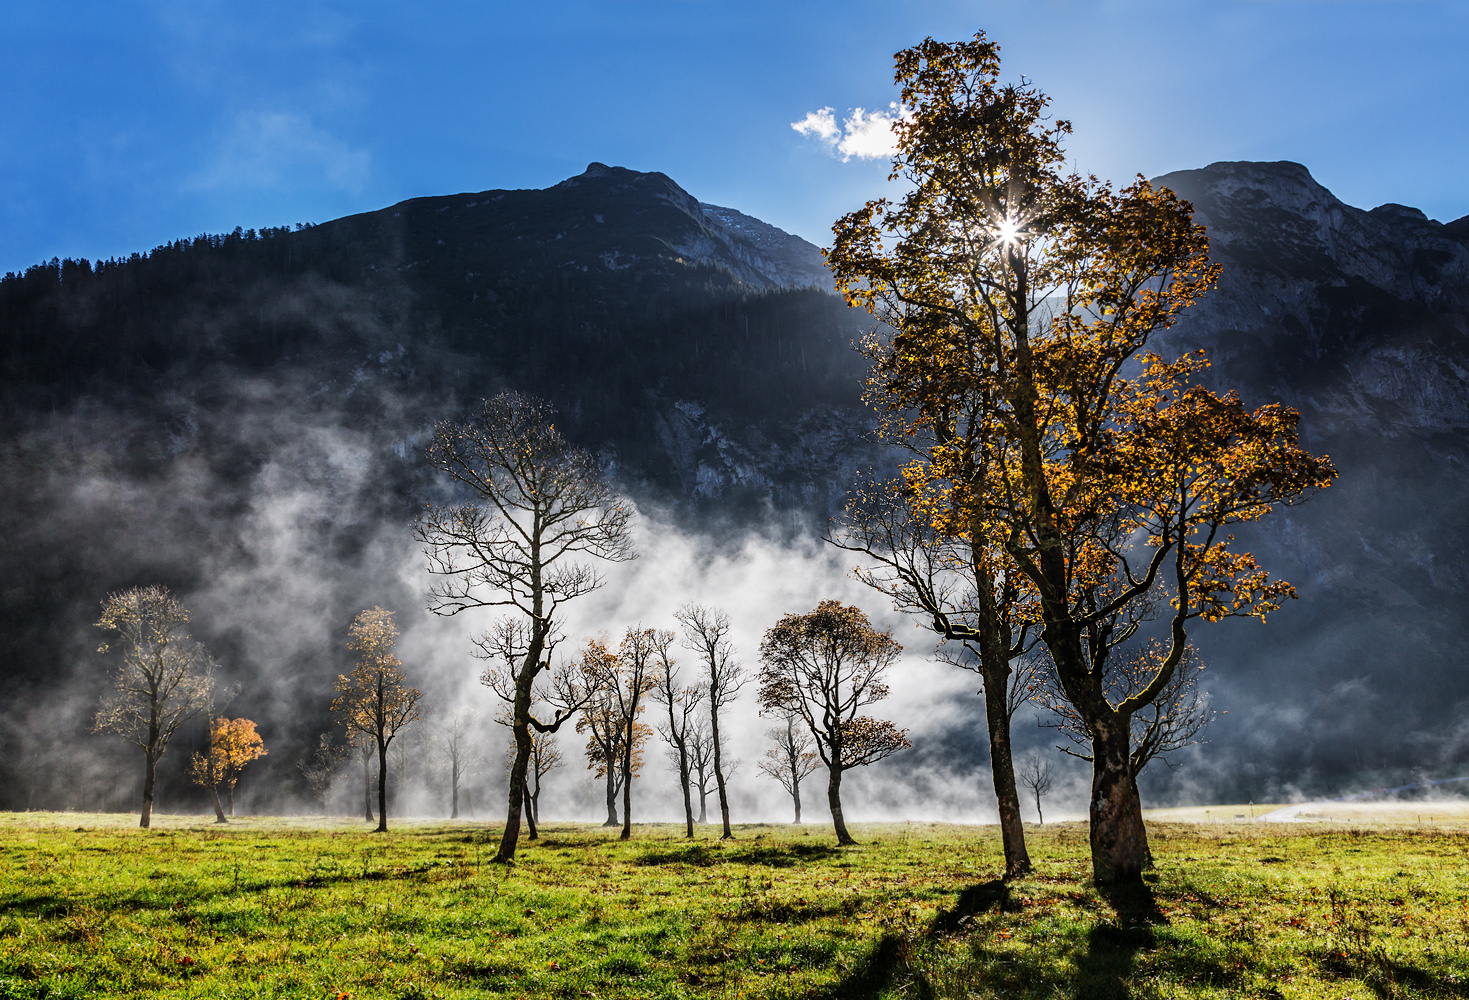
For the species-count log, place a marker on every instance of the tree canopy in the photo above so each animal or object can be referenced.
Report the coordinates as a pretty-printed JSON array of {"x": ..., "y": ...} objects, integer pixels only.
[{"x": 1021, "y": 300}]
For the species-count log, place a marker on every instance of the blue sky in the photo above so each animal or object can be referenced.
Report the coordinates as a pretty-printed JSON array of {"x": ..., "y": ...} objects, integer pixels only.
[{"x": 128, "y": 124}]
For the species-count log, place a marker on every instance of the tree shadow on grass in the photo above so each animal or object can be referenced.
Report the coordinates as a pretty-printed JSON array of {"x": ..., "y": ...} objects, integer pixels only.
[{"x": 1101, "y": 969}]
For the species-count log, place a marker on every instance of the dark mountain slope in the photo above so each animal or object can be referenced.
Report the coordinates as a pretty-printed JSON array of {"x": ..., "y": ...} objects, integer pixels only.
[
  {"x": 241, "y": 417},
  {"x": 1361, "y": 321}
]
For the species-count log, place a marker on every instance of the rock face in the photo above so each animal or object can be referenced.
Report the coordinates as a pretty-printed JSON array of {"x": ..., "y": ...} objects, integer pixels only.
[{"x": 1359, "y": 319}]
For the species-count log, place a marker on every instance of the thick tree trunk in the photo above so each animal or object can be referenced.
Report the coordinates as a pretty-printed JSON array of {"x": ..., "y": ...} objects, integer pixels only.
[
  {"x": 719, "y": 769},
  {"x": 382, "y": 787},
  {"x": 703, "y": 813},
  {"x": 796, "y": 798},
  {"x": 150, "y": 781},
  {"x": 219, "y": 816},
  {"x": 525, "y": 681},
  {"x": 834, "y": 799},
  {"x": 1119, "y": 840},
  {"x": 1002, "y": 770},
  {"x": 511, "y": 836}
]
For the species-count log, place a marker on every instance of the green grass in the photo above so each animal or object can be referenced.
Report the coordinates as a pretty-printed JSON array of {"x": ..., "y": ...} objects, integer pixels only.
[{"x": 294, "y": 908}]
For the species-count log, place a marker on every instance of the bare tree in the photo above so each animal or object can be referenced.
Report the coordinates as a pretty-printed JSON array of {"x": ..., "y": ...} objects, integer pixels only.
[
  {"x": 455, "y": 749},
  {"x": 681, "y": 703},
  {"x": 406, "y": 759},
  {"x": 791, "y": 758},
  {"x": 701, "y": 763},
  {"x": 823, "y": 666},
  {"x": 545, "y": 757},
  {"x": 1035, "y": 774},
  {"x": 374, "y": 699},
  {"x": 961, "y": 589},
  {"x": 164, "y": 680},
  {"x": 563, "y": 689},
  {"x": 366, "y": 749},
  {"x": 706, "y": 632},
  {"x": 1175, "y": 719},
  {"x": 320, "y": 769},
  {"x": 540, "y": 505}
]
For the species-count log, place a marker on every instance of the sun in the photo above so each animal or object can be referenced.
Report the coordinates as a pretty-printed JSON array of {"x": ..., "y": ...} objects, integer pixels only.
[{"x": 1008, "y": 231}]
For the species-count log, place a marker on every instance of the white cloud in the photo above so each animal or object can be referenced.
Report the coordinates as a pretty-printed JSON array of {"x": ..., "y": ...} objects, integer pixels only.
[
  {"x": 822, "y": 124},
  {"x": 867, "y": 135},
  {"x": 270, "y": 148}
]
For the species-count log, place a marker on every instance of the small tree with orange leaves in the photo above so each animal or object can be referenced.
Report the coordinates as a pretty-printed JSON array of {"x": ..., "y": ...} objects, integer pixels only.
[
  {"x": 1093, "y": 473},
  {"x": 233, "y": 743},
  {"x": 615, "y": 737},
  {"x": 825, "y": 666},
  {"x": 375, "y": 700}
]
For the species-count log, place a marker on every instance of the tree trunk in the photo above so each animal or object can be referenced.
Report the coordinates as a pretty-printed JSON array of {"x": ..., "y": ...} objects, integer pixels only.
[
  {"x": 1002, "y": 770},
  {"x": 367, "y": 787},
  {"x": 683, "y": 780},
  {"x": 627, "y": 786},
  {"x": 703, "y": 813},
  {"x": 525, "y": 680},
  {"x": 1119, "y": 841},
  {"x": 796, "y": 798},
  {"x": 611, "y": 795},
  {"x": 834, "y": 799},
  {"x": 1040, "y": 816},
  {"x": 232, "y": 798},
  {"x": 521, "y": 729},
  {"x": 454, "y": 791},
  {"x": 382, "y": 787},
  {"x": 719, "y": 769},
  {"x": 150, "y": 781},
  {"x": 218, "y": 809},
  {"x": 530, "y": 812}
]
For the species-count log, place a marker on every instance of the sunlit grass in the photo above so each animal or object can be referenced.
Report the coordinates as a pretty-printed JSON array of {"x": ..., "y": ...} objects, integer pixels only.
[{"x": 90, "y": 905}]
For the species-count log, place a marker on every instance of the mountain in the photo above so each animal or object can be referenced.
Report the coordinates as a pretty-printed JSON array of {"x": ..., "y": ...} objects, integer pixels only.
[
  {"x": 242, "y": 417},
  {"x": 1360, "y": 320}
]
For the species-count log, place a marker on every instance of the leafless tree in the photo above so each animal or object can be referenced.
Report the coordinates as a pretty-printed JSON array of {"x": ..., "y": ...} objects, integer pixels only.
[
  {"x": 1035, "y": 774},
  {"x": 456, "y": 749},
  {"x": 791, "y": 758},
  {"x": 540, "y": 505},
  {"x": 545, "y": 757},
  {"x": 1175, "y": 719},
  {"x": 366, "y": 749},
  {"x": 701, "y": 763},
  {"x": 165, "y": 678},
  {"x": 960, "y": 589},
  {"x": 320, "y": 769},
  {"x": 405, "y": 759},
  {"x": 706, "y": 632},
  {"x": 561, "y": 690},
  {"x": 681, "y": 703},
  {"x": 823, "y": 666}
]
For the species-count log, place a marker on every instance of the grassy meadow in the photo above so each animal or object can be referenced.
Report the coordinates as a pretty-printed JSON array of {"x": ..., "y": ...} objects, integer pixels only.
[{"x": 92, "y": 906}]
